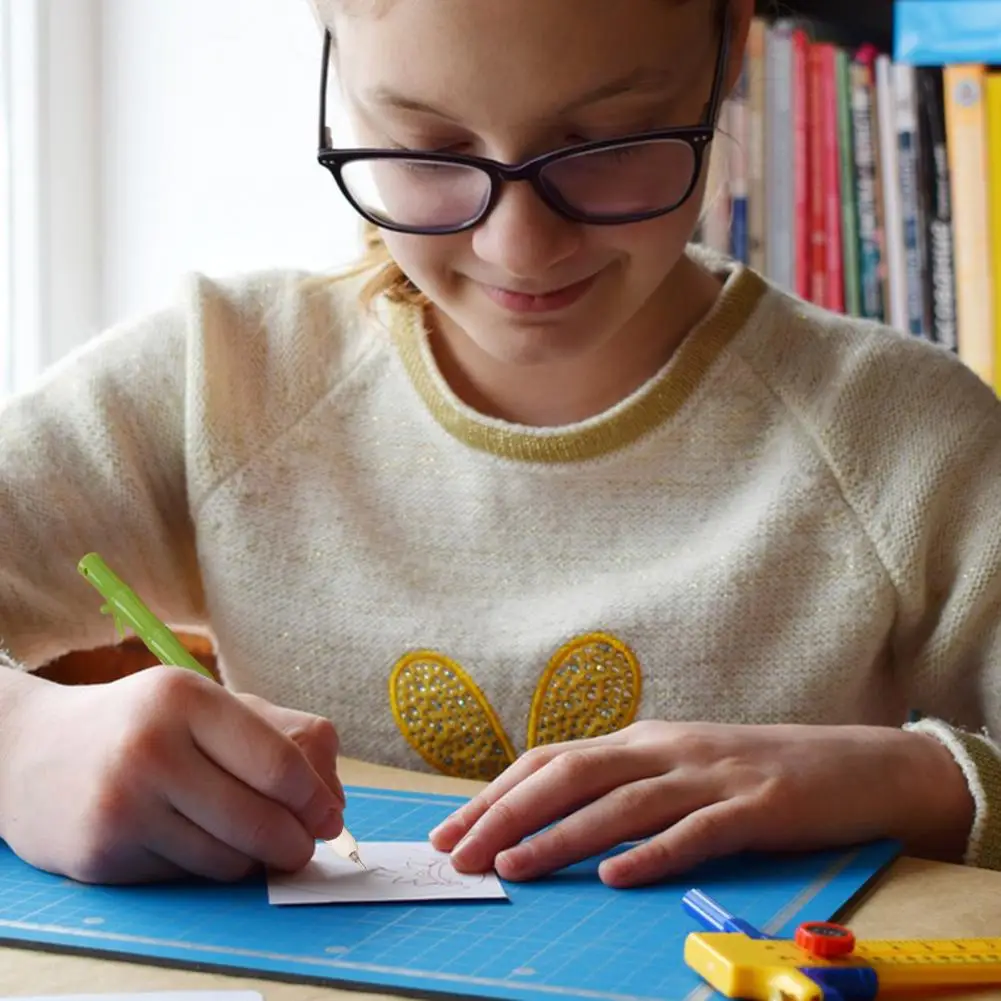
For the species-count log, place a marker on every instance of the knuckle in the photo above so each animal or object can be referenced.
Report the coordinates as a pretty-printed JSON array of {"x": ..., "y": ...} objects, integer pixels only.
[
  {"x": 574, "y": 765},
  {"x": 657, "y": 856},
  {"x": 262, "y": 833},
  {"x": 541, "y": 755},
  {"x": 315, "y": 732},
  {"x": 634, "y": 799},
  {"x": 144, "y": 749},
  {"x": 503, "y": 815},
  {"x": 560, "y": 842},
  {"x": 281, "y": 767},
  {"x": 174, "y": 688}
]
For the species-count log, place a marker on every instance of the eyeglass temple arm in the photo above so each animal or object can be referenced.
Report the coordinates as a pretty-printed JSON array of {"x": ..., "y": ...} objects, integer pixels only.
[
  {"x": 323, "y": 138},
  {"x": 712, "y": 109}
]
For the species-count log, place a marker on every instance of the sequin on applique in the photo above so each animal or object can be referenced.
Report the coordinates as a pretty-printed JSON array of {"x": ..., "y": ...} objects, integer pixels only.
[
  {"x": 591, "y": 687},
  {"x": 446, "y": 719}
]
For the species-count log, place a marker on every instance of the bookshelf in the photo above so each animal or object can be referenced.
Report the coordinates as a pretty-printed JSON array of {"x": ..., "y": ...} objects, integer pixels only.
[
  {"x": 852, "y": 22},
  {"x": 867, "y": 186}
]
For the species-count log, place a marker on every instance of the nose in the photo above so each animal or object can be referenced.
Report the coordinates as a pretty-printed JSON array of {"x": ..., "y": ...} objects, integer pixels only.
[{"x": 523, "y": 236}]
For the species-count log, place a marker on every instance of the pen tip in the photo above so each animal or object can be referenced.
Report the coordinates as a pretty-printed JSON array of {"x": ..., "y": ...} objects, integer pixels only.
[{"x": 356, "y": 858}]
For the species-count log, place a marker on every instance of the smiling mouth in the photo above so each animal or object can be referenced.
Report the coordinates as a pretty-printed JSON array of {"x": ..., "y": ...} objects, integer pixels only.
[{"x": 546, "y": 302}]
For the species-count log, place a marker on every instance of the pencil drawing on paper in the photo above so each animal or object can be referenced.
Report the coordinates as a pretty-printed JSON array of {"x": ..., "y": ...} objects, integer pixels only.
[
  {"x": 396, "y": 871},
  {"x": 425, "y": 873}
]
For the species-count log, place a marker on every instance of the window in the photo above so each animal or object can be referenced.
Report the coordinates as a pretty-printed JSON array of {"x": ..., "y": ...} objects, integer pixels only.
[
  {"x": 48, "y": 159},
  {"x": 6, "y": 206}
]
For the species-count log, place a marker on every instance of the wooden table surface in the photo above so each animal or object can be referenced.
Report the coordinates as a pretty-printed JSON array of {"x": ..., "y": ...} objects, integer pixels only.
[{"x": 915, "y": 900}]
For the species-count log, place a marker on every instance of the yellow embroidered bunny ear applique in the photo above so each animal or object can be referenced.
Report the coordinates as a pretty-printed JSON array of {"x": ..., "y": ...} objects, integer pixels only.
[
  {"x": 446, "y": 719},
  {"x": 591, "y": 687}
]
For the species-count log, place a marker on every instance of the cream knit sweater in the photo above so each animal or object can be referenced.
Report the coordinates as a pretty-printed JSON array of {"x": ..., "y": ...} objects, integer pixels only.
[{"x": 798, "y": 519}]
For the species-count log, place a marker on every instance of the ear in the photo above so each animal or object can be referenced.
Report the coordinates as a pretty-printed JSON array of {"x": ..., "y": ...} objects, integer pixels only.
[{"x": 741, "y": 15}]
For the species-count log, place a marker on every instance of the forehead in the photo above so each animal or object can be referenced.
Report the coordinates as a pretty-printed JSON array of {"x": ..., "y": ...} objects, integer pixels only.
[{"x": 493, "y": 55}]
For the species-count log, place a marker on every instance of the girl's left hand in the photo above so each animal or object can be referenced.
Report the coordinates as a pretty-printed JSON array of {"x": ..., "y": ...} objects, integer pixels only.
[{"x": 698, "y": 791}]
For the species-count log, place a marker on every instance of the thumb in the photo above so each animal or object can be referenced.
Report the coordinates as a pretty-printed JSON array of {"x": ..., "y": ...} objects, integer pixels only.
[{"x": 315, "y": 736}]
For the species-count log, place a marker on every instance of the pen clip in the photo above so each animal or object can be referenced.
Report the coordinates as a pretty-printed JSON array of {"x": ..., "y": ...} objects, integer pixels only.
[{"x": 120, "y": 626}]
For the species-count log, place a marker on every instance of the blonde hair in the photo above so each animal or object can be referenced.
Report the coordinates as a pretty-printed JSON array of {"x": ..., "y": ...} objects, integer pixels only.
[{"x": 388, "y": 279}]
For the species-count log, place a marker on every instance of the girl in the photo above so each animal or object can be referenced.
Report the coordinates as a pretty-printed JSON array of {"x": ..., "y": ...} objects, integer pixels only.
[{"x": 538, "y": 477}]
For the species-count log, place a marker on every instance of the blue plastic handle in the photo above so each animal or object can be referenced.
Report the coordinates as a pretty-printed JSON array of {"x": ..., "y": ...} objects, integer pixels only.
[{"x": 711, "y": 915}]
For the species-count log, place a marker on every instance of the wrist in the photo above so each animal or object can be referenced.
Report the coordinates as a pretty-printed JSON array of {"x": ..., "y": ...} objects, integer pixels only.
[
  {"x": 940, "y": 807},
  {"x": 19, "y": 691}
]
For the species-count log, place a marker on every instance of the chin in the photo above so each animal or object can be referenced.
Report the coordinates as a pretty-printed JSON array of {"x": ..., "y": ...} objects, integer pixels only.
[{"x": 521, "y": 344}]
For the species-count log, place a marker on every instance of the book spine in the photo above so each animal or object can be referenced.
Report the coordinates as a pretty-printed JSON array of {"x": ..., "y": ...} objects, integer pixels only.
[
  {"x": 866, "y": 191},
  {"x": 831, "y": 171},
  {"x": 813, "y": 169},
  {"x": 906, "y": 124},
  {"x": 967, "y": 146},
  {"x": 757, "y": 205},
  {"x": 993, "y": 96},
  {"x": 738, "y": 170},
  {"x": 892, "y": 217},
  {"x": 940, "y": 280},
  {"x": 779, "y": 244},
  {"x": 802, "y": 267},
  {"x": 847, "y": 182}
]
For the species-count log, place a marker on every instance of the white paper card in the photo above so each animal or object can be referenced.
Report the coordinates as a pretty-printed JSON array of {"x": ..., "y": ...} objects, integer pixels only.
[{"x": 397, "y": 870}]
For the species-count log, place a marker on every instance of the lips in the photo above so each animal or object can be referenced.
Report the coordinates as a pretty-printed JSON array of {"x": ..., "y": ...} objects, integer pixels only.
[{"x": 546, "y": 302}]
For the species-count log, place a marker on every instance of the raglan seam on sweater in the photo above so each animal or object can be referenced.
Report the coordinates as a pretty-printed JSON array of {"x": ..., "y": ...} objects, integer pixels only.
[
  {"x": 819, "y": 447},
  {"x": 368, "y": 352}
]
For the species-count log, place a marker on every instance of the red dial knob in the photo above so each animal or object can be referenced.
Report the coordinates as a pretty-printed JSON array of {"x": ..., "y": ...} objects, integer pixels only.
[{"x": 825, "y": 940}]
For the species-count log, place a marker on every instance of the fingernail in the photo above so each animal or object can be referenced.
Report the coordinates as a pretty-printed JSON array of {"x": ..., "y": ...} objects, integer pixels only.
[
  {"x": 511, "y": 861},
  {"x": 463, "y": 848},
  {"x": 445, "y": 829}
]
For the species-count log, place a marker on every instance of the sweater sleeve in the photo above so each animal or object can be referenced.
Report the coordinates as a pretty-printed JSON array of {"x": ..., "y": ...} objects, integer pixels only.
[
  {"x": 918, "y": 450},
  {"x": 913, "y": 439},
  {"x": 93, "y": 459},
  {"x": 952, "y": 650}
]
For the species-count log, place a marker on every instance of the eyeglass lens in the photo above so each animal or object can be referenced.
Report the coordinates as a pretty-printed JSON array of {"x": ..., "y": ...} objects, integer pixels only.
[{"x": 620, "y": 181}]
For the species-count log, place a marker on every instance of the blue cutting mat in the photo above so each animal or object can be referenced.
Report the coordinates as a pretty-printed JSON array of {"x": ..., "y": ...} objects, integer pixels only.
[{"x": 567, "y": 937}]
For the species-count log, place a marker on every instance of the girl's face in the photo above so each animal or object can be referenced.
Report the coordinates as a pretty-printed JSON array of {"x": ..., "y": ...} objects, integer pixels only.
[{"x": 508, "y": 80}]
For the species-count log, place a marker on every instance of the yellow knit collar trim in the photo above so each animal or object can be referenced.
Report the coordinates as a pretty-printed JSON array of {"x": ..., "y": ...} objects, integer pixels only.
[{"x": 649, "y": 407}]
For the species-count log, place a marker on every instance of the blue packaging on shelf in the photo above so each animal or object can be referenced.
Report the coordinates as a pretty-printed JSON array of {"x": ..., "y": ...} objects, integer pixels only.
[{"x": 941, "y": 32}]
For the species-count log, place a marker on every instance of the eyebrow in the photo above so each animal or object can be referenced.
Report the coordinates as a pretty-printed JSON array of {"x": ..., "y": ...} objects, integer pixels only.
[{"x": 639, "y": 81}]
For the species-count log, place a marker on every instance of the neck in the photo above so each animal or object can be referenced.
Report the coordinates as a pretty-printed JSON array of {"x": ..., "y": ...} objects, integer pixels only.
[{"x": 559, "y": 393}]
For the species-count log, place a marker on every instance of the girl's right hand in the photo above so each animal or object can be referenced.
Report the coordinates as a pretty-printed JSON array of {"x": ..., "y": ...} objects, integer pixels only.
[{"x": 161, "y": 774}]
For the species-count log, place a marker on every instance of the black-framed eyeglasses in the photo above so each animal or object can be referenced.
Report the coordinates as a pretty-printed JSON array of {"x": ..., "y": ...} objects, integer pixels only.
[{"x": 609, "y": 182}]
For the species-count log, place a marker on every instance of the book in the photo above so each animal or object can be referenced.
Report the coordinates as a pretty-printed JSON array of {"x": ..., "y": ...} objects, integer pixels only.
[
  {"x": 867, "y": 189},
  {"x": 966, "y": 136},
  {"x": 850, "y": 243},
  {"x": 893, "y": 220},
  {"x": 906, "y": 120},
  {"x": 940, "y": 283}
]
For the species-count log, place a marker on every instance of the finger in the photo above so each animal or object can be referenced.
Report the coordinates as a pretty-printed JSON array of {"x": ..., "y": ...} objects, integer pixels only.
[
  {"x": 315, "y": 735},
  {"x": 721, "y": 829},
  {"x": 250, "y": 748},
  {"x": 178, "y": 842},
  {"x": 456, "y": 826},
  {"x": 239, "y": 816},
  {"x": 627, "y": 813},
  {"x": 564, "y": 784}
]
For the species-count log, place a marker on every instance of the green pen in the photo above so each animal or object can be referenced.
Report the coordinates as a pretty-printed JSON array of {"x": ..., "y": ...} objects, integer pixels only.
[{"x": 129, "y": 610}]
